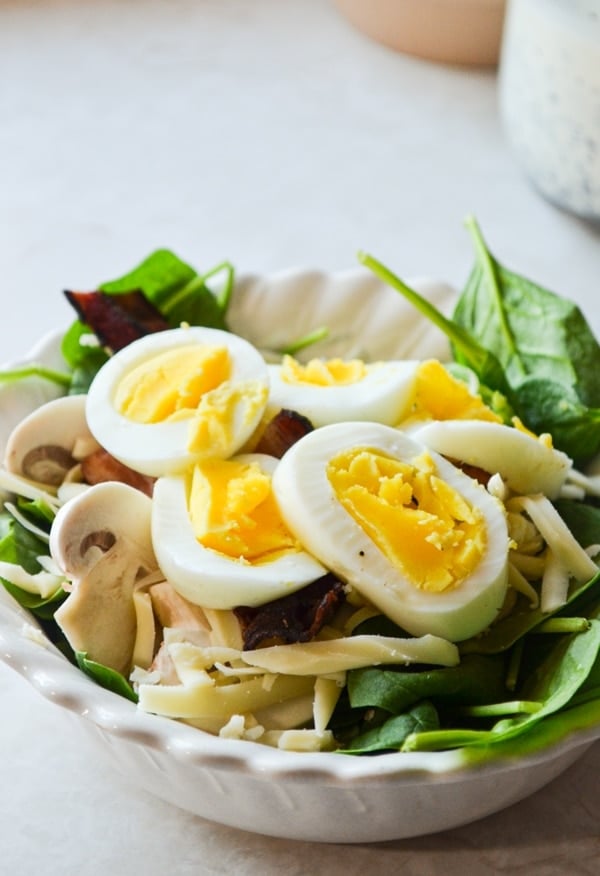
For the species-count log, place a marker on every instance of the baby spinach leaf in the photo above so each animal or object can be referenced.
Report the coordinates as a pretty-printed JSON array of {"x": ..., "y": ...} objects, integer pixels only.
[
  {"x": 553, "y": 683},
  {"x": 177, "y": 290},
  {"x": 582, "y": 519},
  {"x": 76, "y": 351},
  {"x": 523, "y": 619},
  {"x": 37, "y": 510},
  {"x": 174, "y": 287},
  {"x": 391, "y": 734},
  {"x": 486, "y": 275},
  {"x": 84, "y": 360},
  {"x": 477, "y": 679},
  {"x": 542, "y": 341},
  {"x": 590, "y": 689},
  {"x": 549, "y": 406},
  {"x": 159, "y": 276},
  {"x": 584, "y": 522},
  {"x": 525, "y": 342},
  {"x": 539, "y": 736},
  {"x": 19, "y": 545},
  {"x": 40, "y": 606},
  {"x": 558, "y": 677},
  {"x": 379, "y": 625},
  {"x": 105, "y": 676},
  {"x": 85, "y": 373},
  {"x": 531, "y": 330}
]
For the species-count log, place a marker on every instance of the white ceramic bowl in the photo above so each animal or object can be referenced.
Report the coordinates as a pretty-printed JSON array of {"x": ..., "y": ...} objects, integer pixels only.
[{"x": 324, "y": 797}]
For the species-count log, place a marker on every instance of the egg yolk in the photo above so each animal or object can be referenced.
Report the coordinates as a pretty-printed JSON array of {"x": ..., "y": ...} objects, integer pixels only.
[
  {"x": 221, "y": 410},
  {"x": 440, "y": 396},
  {"x": 545, "y": 438},
  {"x": 171, "y": 384},
  {"x": 418, "y": 521},
  {"x": 321, "y": 372},
  {"x": 233, "y": 511}
]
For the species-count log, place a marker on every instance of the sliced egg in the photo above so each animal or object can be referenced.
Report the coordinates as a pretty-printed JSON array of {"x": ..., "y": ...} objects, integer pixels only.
[
  {"x": 219, "y": 537},
  {"x": 415, "y": 536},
  {"x": 526, "y": 463},
  {"x": 173, "y": 397},
  {"x": 329, "y": 391},
  {"x": 439, "y": 395}
]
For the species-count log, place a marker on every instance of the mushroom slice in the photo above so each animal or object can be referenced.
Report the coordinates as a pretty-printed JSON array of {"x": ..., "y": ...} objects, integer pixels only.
[
  {"x": 48, "y": 442},
  {"x": 101, "y": 540},
  {"x": 172, "y": 610}
]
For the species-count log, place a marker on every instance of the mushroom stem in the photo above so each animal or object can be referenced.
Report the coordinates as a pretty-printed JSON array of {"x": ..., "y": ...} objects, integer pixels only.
[{"x": 47, "y": 464}]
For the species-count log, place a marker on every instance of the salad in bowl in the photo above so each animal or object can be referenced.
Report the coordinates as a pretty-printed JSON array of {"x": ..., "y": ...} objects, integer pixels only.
[{"x": 334, "y": 526}]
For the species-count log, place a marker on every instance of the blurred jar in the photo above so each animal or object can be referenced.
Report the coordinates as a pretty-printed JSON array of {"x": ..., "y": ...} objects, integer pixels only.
[{"x": 549, "y": 95}]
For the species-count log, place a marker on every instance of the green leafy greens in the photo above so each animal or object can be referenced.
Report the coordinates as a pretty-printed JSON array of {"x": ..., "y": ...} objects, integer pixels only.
[
  {"x": 175, "y": 288},
  {"x": 532, "y": 677},
  {"x": 106, "y": 677},
  {"x": 534, "y": 353},
  {"x": 525, "y": 342}
]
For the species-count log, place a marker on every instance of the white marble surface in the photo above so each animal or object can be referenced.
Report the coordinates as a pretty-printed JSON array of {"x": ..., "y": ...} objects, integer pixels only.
[{"x": 272, "y": 134}]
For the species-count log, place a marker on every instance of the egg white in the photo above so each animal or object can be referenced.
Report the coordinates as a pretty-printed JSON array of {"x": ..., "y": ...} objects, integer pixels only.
[
  {"x": 312, "y": 511},
  {"x": 525, "y": 464},
  {"x": 382, "y": 395},
  {"x": 207, "y": 577},
  {"x": 160, "y": 448}
]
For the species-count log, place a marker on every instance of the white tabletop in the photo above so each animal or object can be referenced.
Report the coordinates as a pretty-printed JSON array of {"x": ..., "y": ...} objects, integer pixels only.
[{"x": 274, "y": 135}]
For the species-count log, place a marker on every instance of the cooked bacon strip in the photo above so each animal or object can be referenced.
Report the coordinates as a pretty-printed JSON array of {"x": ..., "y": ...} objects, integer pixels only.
[
  {"x": 282, "y": 431},
  {"x": 100, "y": 466},
  {"x": 117, "y": 320},
  {"x": 294, "y": 618},
  {"x": 478, "y": 474}
]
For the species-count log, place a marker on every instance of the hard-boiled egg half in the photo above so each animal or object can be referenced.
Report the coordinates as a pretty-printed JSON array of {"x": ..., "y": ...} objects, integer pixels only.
[
  {"x": 219, "y": 536},
  {"x": 394, "y": 392},
  {"x": 176, "y": 396},
  {"x": 331, "y": 390},
  {"x": 440, "y": 395},
  {"x": 527, "y": 463},
  {"x": 415, "y": 536}
]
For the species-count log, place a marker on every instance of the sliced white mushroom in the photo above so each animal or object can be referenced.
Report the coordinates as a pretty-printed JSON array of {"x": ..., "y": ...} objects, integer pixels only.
[
  {"x": 50, "y": 441},
  {"x": 172, "y": 610},
  {"x": 101, "y": 540}
]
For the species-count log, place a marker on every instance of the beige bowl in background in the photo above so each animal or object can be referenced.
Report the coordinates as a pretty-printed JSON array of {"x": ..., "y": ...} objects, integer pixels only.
[{"x": 448, "y": 31}]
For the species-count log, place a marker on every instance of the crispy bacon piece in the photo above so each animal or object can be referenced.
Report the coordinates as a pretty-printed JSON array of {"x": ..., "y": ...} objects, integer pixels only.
[
  {"x": 478, "y": 474},
  {"x": 282, "y": 431},
  {"x": 100, "y": 466},
  {"x": 294, "y": 618},
  {"x": 117, "y": 320}
]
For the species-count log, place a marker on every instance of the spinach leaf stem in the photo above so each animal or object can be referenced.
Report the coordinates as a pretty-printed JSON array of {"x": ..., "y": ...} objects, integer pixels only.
[
  {"x": 34, "y": 370},
  {"x": 480, "y": 360},
  {"x": 488, "y": 266}
]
